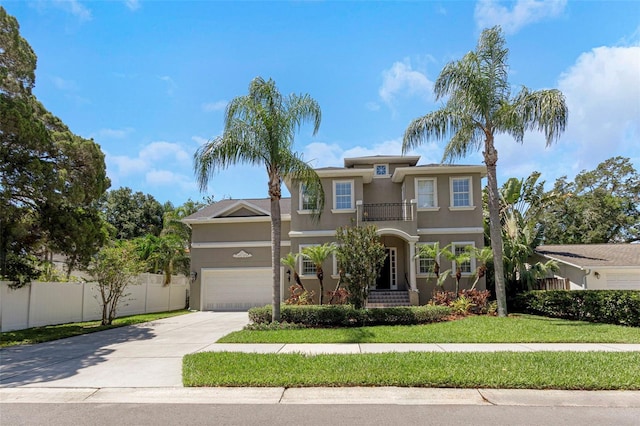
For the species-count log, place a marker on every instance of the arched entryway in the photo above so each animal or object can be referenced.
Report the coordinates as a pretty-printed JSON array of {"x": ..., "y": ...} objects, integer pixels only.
[{"x": 398, "y": 271}]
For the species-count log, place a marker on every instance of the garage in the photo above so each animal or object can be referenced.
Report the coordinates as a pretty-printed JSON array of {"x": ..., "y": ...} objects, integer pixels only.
[
  {"x": 624, "y": 281},
  {"x": 235, "y": 289}
]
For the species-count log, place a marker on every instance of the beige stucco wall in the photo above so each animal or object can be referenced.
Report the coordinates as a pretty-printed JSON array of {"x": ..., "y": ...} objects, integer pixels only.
[
  {"x": 237, "y": 231},
  {"x": 223, "y": 257},
  {"x": 426, "y": 284}
]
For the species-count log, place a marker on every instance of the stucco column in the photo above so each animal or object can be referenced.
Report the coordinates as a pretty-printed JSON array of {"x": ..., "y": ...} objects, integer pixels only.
[{"x": 412, "y": 265}]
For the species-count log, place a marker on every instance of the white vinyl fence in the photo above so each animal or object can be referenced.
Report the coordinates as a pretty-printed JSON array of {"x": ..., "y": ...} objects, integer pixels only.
[{"x": 39, "y": 304}]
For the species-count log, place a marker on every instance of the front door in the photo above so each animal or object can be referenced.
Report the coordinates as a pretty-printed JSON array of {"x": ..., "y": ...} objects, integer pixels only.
[{"x": 388, "y": 278}]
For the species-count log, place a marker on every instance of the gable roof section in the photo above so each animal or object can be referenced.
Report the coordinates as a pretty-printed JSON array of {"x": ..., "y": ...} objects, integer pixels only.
[
  {"x": 238, "y": 209},
  {"x": 592, "y": 255}
]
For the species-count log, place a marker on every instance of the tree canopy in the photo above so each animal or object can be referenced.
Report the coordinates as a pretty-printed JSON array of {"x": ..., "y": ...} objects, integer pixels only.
[
  {"x": 599, "y": 206},
  {"x": 50, "y": 178},
  {"x": 132, "y": 214}
]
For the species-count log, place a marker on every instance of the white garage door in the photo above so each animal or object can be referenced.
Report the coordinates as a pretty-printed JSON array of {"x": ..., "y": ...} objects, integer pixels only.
[
  {"x": 626, "y": 281},
  {"x": 236, "y": 289}
]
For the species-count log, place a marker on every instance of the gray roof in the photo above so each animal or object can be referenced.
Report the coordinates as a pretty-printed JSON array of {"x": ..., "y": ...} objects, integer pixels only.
[
  {"x": 590, "y": 255},
  {"x": 215, "y": 209}
]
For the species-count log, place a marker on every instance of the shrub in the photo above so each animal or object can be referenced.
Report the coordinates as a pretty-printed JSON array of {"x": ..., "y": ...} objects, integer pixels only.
[
  {"x": 475, "y": 301},
  {"x": 338, "y": 297},
  {"x": 462, "y": 306},
  {"x": 299, "y": 296},
  {"x": 604, "y": 306},
  {"x": 348, "y": 316}
]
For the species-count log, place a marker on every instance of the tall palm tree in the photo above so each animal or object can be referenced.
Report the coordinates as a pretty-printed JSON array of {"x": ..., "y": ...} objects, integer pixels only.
[
  {"x": 259, "y": 129},
  {"x": 479, "y": 105},
  {"x": 318, "y": 254}
]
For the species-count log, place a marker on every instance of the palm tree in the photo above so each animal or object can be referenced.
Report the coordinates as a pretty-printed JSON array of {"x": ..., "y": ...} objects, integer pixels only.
[
  {"x": 459, "y": 259},
  {"x": 480, "y": 105},
  {"x": 259, "y": 129},
  {"x": 433, "y": 251},
  {"x": 483, "y": 256},
  {"x": 291, "y": 262},
  {"x": 318, "y": 254}
]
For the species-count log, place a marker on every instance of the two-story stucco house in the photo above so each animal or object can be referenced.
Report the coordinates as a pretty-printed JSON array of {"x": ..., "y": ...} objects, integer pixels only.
[{"x": 409, "y": 204}]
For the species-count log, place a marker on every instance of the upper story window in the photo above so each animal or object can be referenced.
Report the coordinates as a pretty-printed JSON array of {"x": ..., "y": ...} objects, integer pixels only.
[
  {"x": 343, "y": 195},
  {"x": 426, "y": 193},
  {"x": 381, "y": 170},
  {"x": 307, "y": 201},
  {"x": 461, "y": 195}
]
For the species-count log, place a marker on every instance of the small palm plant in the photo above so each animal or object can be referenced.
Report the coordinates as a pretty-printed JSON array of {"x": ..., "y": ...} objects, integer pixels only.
[
  {"x": 318, "y": 254},
  {"x": 459, "y": 259},
  {"x": 482, "y": 256},
  {"x": 433, "y": 251},
  {"x": 291, "y": 261}
]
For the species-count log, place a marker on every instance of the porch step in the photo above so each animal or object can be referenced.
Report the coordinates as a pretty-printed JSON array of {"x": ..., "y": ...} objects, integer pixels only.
[{"x": 387, "y": 299}]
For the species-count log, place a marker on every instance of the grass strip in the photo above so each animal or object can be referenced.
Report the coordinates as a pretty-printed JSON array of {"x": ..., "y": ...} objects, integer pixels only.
[
  {"x": 530, "y": 370},
  {"x": 473, "y": 329},
  {"x": 61, "y": 331}
]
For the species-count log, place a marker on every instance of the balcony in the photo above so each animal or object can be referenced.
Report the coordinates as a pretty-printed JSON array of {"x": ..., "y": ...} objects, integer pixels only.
[
  {"x": 389, "y": 215},
  {"x": 386, "y": 211}
]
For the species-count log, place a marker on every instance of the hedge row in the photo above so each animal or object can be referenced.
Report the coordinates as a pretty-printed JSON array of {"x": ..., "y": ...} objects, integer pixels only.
[
  {"x": 604, "y": 306},
  {"x": 347, "y": 316}
]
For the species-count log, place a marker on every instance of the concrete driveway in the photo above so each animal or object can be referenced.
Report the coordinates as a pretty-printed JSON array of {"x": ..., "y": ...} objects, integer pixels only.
[{"x": 143, "y": 355}]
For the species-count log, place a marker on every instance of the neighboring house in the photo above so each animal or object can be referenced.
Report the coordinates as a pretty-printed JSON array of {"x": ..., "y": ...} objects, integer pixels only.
[
  {"x": 410, "y": 205},
  {"x": 595, "y": 266}
]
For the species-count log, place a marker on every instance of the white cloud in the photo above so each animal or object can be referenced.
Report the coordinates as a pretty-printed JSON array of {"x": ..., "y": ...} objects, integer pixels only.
[
  {"x": 603, "y": 96},
  {"x": 214, "y": 106},
  {"x": 171, "y": 85},
  {"x": 199, "y": 140},
  {"x": 113, "y": 133},
  {"x": 158, "y": 151},
  {"x": 402, "y": 80},
  {"x": 321, "y": 154},
  {"x": 167, "y": 178},
  {"x": 492, "y": 12},
  {"x": 372, "y": 106},
  {"x": 74, "y": 7},
  {"x": 62, "y": 84},
  {"x": 125, "y": 166},
  {"x": 133, "y": 5}
]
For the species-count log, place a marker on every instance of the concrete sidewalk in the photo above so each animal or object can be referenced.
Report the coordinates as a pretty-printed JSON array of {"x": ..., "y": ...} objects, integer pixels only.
[{"x": 143, "y": 363}]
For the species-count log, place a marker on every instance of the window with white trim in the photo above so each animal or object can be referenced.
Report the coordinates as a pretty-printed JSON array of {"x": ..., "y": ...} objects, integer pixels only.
[
  {"x": 381, "y": 170},
  {"x": 461, "y": 195},
  {"x": 343, "y": 195},
  {"x": 426, "y": 192},
  {"x": 425, "y": 264},
  {"x": 467, "y": 267},
  {"x": 307, "y": 267},
  {"x": 307, "y": 202}
]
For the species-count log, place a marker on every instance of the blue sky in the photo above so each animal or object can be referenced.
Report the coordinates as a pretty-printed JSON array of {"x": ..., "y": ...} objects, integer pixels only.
[{"x": 149, "y": 80}]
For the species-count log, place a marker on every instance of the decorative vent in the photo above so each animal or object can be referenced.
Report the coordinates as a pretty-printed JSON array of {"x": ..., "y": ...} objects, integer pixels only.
[{"x": 242, "y": 255}]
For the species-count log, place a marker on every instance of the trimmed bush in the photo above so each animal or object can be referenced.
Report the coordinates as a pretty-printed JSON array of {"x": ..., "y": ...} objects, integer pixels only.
[
  {"x": 348, "y": 316},
  {"x": 475, "y": 301},
  {"x": 604, "y": 306}
]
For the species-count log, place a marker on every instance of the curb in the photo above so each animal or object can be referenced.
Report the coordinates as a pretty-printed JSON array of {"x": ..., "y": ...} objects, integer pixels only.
[{"x": 310, "y": 396}]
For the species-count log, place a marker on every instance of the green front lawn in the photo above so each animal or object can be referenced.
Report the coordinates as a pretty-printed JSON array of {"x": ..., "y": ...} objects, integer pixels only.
[
  {"x": 474, "y": 329},
  {"x": 55, "y": 332},
  {"x": 530, "y": 370}
]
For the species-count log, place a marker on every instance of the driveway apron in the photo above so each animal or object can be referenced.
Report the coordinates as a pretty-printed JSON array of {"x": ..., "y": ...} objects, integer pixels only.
[{"x": 143, "y": 355}]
